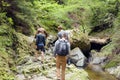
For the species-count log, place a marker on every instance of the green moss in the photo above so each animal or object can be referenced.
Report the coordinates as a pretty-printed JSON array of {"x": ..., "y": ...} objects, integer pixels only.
[
  {"x": 5, "y": 74},
  {"x": 79, "y": 39},
  {"x": 76, "y": 74},
  {"x": 113, "y": 62},
  {"x": 21, "y": 47},
  {"x": 6, "y": 41}
]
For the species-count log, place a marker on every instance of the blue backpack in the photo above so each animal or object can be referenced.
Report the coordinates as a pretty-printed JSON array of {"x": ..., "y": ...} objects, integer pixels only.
[{"x": 62, "y": 48}]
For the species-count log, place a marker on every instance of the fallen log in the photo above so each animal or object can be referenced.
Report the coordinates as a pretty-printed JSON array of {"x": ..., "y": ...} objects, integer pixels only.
[{"x": 101, "y": 41}]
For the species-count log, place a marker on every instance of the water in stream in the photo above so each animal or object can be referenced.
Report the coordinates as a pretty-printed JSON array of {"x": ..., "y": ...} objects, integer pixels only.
[{"x": 98, "y": 75}]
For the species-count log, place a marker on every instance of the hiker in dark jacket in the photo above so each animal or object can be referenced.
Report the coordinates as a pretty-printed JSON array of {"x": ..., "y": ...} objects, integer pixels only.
[{"x": 40, "y": 43}]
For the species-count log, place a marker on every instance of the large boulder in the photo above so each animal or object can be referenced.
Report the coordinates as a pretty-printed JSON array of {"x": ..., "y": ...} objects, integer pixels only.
[
  {"x": 79, "y": 39},
  {"x": 77, "y": 57}
]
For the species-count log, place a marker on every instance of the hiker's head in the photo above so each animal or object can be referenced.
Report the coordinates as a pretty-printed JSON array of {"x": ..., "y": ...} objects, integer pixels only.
[
  {"x": 59, "y": 28},
  {"x": 44, "y": 32},
  {"x": 40, "y": 30}
]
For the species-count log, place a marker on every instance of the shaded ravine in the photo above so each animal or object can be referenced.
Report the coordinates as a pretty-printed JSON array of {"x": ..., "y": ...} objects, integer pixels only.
[
  {"x": 94, "y": 68},
  {"x": 36, "y": 71}
]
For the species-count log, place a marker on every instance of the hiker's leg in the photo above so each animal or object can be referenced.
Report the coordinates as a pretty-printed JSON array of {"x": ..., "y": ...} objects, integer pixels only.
[
  {"x": 57, "y": 67},
  {"x": 64, "y": 61},
  {"x": 42, "y": 53},
  {"x": 38, "y": 51},
  {"x": 36, "y": 54},
  {"x": 42, "y": 56}
]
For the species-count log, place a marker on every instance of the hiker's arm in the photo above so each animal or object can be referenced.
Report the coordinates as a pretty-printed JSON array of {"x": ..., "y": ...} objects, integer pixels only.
[
  {"x": 55, "y": 49},
  {"x": 69, "y": 47},
  {"x": 36, "y": 40},
  {"x": 44, "y": 40}
]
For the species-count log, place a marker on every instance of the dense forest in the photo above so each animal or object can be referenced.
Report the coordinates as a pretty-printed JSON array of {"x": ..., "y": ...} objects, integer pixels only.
[{"x": 19, "y": 19}]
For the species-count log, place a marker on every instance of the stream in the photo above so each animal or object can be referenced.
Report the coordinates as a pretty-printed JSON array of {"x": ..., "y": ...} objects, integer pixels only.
[{"x": 96, "y": 73}]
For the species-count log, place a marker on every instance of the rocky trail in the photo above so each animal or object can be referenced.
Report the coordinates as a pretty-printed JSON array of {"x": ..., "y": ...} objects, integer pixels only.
[
  {"x": 35, "y": 70},
  {"x": 30, "y": 69}
]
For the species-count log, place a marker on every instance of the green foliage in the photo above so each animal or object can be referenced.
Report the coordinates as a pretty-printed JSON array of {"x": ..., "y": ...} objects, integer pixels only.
[
  {"x": 111, "y": 47},
  {"x": 5, "y": 20},
  {"x": 5, "y": 73},
  {"x": 104, "y": 14},
  {"x": 5, "y": 39},
  {"x": 2, "y": 18},
  {"x": 48, "y": 14},
  {"x": 51, "y": 13},
  {"x": 3, "y": 5}
]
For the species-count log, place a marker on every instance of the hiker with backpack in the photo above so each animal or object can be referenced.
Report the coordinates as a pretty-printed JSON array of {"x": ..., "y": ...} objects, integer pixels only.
[
  {"x": 61, "y": 51},
  {"x": 40, "y": 43},
  {"x": 60, "y": 33}
]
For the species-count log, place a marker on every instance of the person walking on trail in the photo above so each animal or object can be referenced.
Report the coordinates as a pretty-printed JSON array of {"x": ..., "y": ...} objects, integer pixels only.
[
  {"x": 61, "y": 51},
  {"x": 60, "y": 33},
  {"x": 40, "y": 43}
]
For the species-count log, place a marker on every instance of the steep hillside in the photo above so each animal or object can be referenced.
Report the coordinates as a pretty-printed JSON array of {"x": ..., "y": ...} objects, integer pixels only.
[{"x": 20, "y": 19}]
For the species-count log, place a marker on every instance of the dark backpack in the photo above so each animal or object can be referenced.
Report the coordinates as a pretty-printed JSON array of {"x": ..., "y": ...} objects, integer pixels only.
[{"x": 62, "y": 48}]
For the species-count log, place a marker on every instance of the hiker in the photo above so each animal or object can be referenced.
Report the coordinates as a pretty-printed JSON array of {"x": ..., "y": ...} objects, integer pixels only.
[
  {"x": 40, "y": 43},
  {"x": 61, "y": 51},
  {"x": 60, "y": 33}
]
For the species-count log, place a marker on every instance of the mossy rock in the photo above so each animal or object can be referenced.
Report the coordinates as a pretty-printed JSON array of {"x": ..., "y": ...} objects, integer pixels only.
[
  {"x": 14, "y": 46},
  {"x": 22, "y": 47},
  {"x": 79, "y": 39}
]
